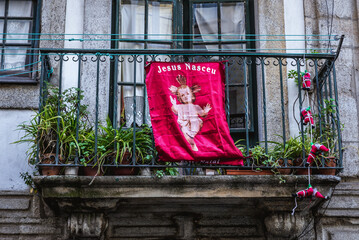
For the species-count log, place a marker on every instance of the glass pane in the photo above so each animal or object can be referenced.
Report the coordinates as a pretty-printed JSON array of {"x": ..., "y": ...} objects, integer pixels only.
[
  {"x": 18, "y": 26},
  {"x": 1, "y": 30},
  {"x": 205, "y": 24},
  {"x": 20, "y": 9},
  {"x": 2, "y": 8},
  {"x": 232, "y": 22},
  {"x": 15, "y": 58},
  {"x": 160, "y": 19},
  {"x": 132, "y": 22},
  {"x": 237, "y": 107}
]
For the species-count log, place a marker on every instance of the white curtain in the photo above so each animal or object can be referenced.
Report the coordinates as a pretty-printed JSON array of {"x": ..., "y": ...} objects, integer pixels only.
[
  {"x": 15, "y": 55},
  {"x": 232, "y": 22},
  {"x": 133, "y": 22}
]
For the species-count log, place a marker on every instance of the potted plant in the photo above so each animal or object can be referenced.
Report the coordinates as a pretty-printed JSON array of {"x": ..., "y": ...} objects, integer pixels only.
[
  {"x": 52, "y": 132},
  {"x": 258, "y": 157},
  {"x": 325, "y": 133},
  {"x": 143, "y": 148}
]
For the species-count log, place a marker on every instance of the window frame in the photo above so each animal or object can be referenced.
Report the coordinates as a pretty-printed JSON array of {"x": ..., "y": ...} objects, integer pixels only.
[
  {"x": 27, "y": 75},
  {"x": 182, "y": 16}
]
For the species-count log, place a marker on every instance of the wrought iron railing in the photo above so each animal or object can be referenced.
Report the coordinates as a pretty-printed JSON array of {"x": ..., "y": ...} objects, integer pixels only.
[{"x": 111, "y": 84}]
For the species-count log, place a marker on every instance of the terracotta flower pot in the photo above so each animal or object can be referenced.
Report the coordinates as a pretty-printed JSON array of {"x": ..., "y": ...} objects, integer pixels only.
[
  {"x": 330, "y": 162},
  {"x": 301, "y": 171},
  {"x": 92, "y": 171},
  {"x": 248, "y": 172},
  {"x": 49, "y": 158},
  {"x": 285, "y": 171},
  {"x": 124, "y": 171}
]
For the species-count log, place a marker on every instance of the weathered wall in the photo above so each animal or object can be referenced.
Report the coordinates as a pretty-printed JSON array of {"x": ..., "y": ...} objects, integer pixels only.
[
  {"x": 340, "y": 220},
  {"x": 25, "y": 217},
  {"x": 344, "y": 22},
  {"x": 18, "y": 103},
  {"x": 270, "y": 22}
]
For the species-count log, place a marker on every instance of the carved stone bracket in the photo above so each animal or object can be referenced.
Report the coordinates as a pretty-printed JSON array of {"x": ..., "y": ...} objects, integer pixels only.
[
  {"x": 87, "y": 225},
  {"x": 88, "y": 204}
]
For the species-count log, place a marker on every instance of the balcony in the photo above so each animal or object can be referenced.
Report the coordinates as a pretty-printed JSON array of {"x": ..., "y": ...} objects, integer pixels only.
[
  {"x": 92, "y": 100},
  {"x": 260, "y": 111}
]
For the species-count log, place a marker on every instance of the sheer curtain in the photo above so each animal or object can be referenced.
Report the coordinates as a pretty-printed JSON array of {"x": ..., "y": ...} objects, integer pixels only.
[
  {"x": 232, "y": 22},
  {"x": 133, "y": 27},
  {"x": 16, "y": 56}
]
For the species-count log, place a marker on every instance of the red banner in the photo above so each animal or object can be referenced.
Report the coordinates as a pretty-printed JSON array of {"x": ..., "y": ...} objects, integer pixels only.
[{"x": 186, "y": 102}]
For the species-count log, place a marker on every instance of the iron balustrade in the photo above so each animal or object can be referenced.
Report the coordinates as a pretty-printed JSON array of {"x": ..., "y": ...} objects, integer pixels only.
[{"x": 97, "y": 67}]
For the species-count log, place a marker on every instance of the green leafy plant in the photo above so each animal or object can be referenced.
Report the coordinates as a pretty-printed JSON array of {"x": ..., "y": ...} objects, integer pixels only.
[
  {"x": 293, "y": 74},
  {"x": 54, "y": 127}
]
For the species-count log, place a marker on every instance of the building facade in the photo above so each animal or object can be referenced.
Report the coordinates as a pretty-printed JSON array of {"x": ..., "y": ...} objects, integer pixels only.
[{"x": 76, "y": 36}]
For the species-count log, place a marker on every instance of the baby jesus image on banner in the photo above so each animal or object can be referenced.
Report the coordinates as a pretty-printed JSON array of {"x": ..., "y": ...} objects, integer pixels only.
[
  {"x": 186, "y": 102},
  {"x": 188, "y": 113}
]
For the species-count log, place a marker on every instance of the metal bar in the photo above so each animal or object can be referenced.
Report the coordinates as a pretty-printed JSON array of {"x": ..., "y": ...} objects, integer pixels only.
[
  {"x": 144, "y": 95},
  {"x": 332, "y": 118},
  {"x": 227, "y": 94},
  {"x": 264, "y": 106},
  {"x": 58, "y": 108},
  {"x": 146, "y": 26},
  {"x": 219, "y": 25},
  {"x": 112, "y": 112},
  {"x": 130, "y": 84},
  {"x": 300, "y": 106},
  {"x": 219, "y": 42},
  {"x": 282, "y": 99},
  {"x": 97, "y": 104},
  {"x": 338, "y": 119},
  {"x": 4, "y": 34},
  {"x": 145, "y": 60},
  {"x": 318, "y": 99},
  {"x": 246, "y": 103},
  {"x": 134, "y": 111},
  {"x": 78, "y": 107},
  {"x": 41, "y": 99},
  {"x": 184, "y": 52}
]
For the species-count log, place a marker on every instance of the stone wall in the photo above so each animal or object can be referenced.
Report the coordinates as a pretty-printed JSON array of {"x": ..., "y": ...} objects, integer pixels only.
[
  {"x": 24, "y": 216},
  {"x": 340, "y": 220}
]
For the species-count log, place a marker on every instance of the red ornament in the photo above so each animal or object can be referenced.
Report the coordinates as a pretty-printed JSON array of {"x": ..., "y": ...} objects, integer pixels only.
[
  {"x": 309, "y": 192},
  {"x": 306, "y": 116},
  {"x": 316, "y": 149},
  {"x": 306, "y": 80}
]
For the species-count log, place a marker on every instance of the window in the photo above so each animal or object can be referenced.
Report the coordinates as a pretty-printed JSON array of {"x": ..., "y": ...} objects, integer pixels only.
[
  {"x": 205, "y": 25},
  {"x": 17, "y": 21}
]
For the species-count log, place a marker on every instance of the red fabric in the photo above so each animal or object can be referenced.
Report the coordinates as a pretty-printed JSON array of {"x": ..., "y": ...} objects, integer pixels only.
[
  {"x": 306, "y": 116},
  {"x": 186, "y": 102},
  {"x": 306, "y": 81},
  {"x": 305, "y": 193},
  {"x": 314, "y": 151}
]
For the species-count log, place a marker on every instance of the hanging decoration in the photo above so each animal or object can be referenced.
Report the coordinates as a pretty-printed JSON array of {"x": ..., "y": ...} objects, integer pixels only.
[
  {"x": 186, "y": 102},
  {"x": 309, "y": 192},
  {"x": 306, "y": 117},
  {"x": 315, "y": 150},
  {"x": 306, "y": 82}
]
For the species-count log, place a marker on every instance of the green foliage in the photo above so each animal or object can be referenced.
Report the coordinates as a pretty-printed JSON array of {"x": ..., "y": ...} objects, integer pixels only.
[
  {"x": 169, "y": 171},
  {"x": 293, "y": 74},
  {"x": 63, "y": 120},
  {"x": 326, "y": 124},
  {"x": 56, "y": 123},
  {"x": 27, "y": 178}
]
